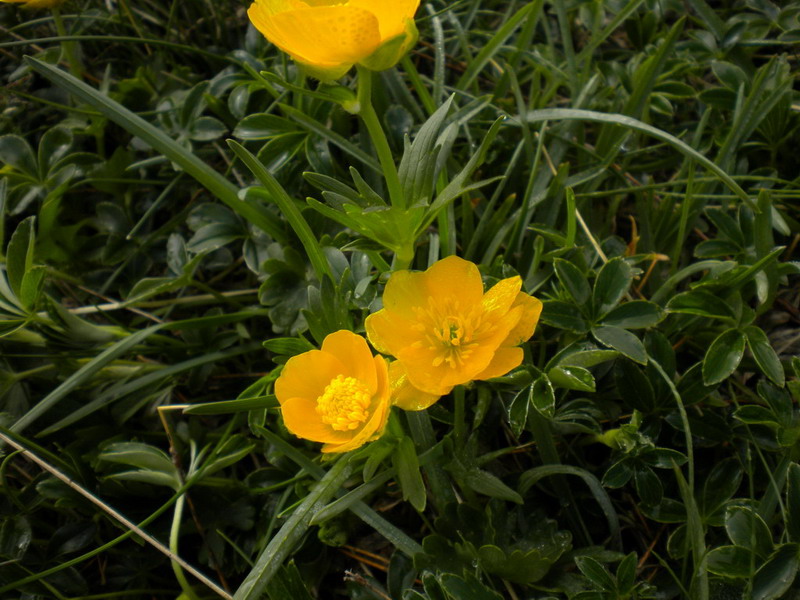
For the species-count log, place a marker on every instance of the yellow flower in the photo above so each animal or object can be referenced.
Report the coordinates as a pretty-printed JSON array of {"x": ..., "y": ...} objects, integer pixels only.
[
  {"x": 328, "y": 36},
  {"x": 445, "y": 331},
  {"x": 35, "y": 3},
  {"x": 404, "y": 394},
  {"x": 339, "y": 395}
]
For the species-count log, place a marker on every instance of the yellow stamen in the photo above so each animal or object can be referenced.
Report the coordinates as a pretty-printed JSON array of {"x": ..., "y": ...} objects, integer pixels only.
[{"x": 344, "y": 403}]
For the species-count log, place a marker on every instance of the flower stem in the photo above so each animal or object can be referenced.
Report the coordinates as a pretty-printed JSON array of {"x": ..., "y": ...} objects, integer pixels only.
[
  {"x": 67, "y": 47},
  {"x": 367, "y": 113},
  {"x": 174, "y": 534}
]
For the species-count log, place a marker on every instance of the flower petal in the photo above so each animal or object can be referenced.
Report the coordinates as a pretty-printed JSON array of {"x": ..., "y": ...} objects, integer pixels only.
[
  {"x": 320, "y": 36},
  {"x": 354, "y": 353},
  {"x": 272, "y": 7},
  {"x": 504, "y": 360},
  {"x": 405, "y": 395},
  {"x": 390, "y": 333},
  {"x": 531, "y": 309},
  {"x": 441, "y": 378},
  {"x": 392, "y": 16},
  {"x": 454, "y": 279},
  {"x": 405, "y": 291},
  {"x": 502, "y": 295},
  {"x": 307, "y": 375},
  {"x": 301, "y": 418}
]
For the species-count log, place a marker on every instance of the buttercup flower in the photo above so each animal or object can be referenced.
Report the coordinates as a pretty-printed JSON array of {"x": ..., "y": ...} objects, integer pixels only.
[
  {"x": 329, "y": 36},
  {"x": 445, "y": 331},
  {"x": 35, "y": 3},
  {"x": 338, "y": 395},
  {"x": 404, "y": 394}
]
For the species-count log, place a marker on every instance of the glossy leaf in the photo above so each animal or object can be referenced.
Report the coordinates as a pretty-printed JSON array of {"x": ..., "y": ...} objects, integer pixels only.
[{"x": 723, "y": 356}]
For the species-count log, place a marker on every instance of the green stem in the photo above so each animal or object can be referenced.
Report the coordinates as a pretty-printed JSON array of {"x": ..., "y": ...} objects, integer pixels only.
[
  {"x": 67, "y": 47},
  {"x": 367, "y": 113},
  {"x": 174, "y": 535}
]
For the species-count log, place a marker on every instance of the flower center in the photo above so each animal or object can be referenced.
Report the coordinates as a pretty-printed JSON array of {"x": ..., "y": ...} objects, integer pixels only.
[
  {"x": 344, "y": 403},
  {"x": 452, "y": 331}
]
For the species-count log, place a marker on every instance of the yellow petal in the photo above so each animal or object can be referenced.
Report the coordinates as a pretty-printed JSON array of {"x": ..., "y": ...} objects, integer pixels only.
[
  {"x": 504, "y": 360},
  {"x": 320, "y": 36},
  {"x": 405, "y": 395},
  {"x": 424, "y": 374},
  {"x": 405, "y": 291},
  {"x": 455, "y": 279},
  {"x": 301, "y": 418},
  {"x": 272, "y": 7},
  {"x": 502, "y": 294},
  {"x": 307, "y": 375},
  {"x": 392, "y": 15},
  {"x": 531, "y": 309},
  {"x": 352, "y": 351},
  {"x": 389, "y": 333}
]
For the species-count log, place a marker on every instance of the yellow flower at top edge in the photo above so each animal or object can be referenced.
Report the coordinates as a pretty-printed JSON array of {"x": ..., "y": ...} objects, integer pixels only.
[
  {"x": 35, "y": 3},
  {"x": 328, "y": 37},
  {"x": 445, "y": 331},
  {"x": 339, "y": 395}
]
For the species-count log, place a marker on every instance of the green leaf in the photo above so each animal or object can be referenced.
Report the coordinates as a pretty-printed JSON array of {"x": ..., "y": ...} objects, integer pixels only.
[
  {"x": 596, "y": 573},
  {"x": 753, "y": 414},
  {"x": 275, "y": 193},
  {"x": 139, "y": 455},
  {"x": 15, "y": 537},
  {"x": 292, "y": 531},
  {"x": 288, "y": 346},
  {"x": 406, "y": 464},
  {"x": 775, "y": 577},
  {"x": 747, "y": 529},
  {"x": 622, "y": 341},
  {"x": 572, "y": 378},
  {"x": 720, "y": 486},
  {"x": 494, "y": 44},
  {"x": 634, "y": 386},
  {"x": 19, "y": 254},
  {"x": 518, "y": 412},
  {"x": 793, "y": 502},
  {"x": 263, "y": 126},
  {"x": 573, "y": 281},
  {"x": 611, "y": 285},
  {"x": 563, "y": 315},
  {"x": 288, "y": 584},
  {"x": 310, "y": 124},
  {"x": 487, "y": 484},
  {"x": 765, "y": 356},
  {"x": 458, "y": 185},
  {"x": 154, "y": 466},
  {"x": 731, "y": 561},
  {"x": 702, "y": 303},
  {"x": 636, "y": 314},
  {"x": 530, "y": 477},
  {"x": 723, "y": 356},
  {"x": 572, "y": 114},
  {"x": 225, "y": 407},
  {"x": 648, "y": 486},
  {"x": 542, "y": 397},
  {"x": 418, "y": 165},
  {"x": 466, "y": 588},
  {"x": 208, "y": 177},
  {"x": 15, "y": 151}
]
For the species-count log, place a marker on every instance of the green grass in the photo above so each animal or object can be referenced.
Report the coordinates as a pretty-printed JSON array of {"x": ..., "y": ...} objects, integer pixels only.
[{"x": 172, "y": 230}]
